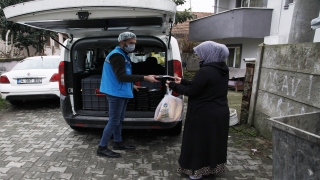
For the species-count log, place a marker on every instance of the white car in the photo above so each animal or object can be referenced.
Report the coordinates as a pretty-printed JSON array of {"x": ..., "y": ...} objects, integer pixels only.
[{"x": 32, "y": 78}]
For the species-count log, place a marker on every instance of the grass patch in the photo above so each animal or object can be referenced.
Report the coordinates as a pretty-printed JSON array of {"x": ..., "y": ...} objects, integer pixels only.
[
  {"x": 3, "y": 104},
  {"x": 244, "y": 130}
]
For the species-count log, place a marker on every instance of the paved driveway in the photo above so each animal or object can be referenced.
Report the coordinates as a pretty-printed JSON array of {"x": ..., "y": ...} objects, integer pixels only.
[{"x": 36, "y": 143}]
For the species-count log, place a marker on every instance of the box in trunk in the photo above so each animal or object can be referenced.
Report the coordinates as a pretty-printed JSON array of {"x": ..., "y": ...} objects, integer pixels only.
[{"x": 92, "y": 98}]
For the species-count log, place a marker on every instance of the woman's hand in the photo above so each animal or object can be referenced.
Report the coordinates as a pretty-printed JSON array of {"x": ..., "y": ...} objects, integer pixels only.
[{"x": 167, "y": 83}]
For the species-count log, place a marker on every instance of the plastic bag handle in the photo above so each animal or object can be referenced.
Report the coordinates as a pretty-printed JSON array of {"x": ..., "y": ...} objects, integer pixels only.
[{"x": 169, "y": 91}]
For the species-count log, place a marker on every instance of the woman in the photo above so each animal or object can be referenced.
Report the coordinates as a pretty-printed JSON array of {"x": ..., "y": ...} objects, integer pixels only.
[{"x": 205, "y": 136}]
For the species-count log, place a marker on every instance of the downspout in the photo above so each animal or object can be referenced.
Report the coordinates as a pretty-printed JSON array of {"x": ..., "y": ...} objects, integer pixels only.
[
  {"x": 215, "y": 6},
  {"x": 7, "y": 34},
  {"x": 11, "y": 54}
]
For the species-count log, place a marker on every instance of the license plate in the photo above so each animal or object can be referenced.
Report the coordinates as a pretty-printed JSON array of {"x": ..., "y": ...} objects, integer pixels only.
[{"x": 29, "y": 81}]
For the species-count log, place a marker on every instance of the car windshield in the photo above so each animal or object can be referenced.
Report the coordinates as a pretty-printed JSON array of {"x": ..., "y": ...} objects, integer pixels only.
[{"x": 39, "y": 63}]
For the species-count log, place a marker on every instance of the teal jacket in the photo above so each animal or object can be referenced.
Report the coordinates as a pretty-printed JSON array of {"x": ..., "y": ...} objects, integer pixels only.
[{"x": 110, "y": 84}]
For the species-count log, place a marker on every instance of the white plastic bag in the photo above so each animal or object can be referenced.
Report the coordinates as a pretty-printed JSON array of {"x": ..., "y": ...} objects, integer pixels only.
[{"x": 169, "y": 109}]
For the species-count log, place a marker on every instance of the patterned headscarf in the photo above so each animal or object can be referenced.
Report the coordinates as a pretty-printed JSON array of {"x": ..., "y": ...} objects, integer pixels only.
[{"x": 210, "y": 51}]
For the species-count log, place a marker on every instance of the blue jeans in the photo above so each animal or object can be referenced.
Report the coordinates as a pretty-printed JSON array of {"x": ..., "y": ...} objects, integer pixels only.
[{"x": 117, "y": 110}]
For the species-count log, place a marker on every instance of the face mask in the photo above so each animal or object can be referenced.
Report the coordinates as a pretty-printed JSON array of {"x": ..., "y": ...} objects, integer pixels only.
[{"x": 129, "y": 48}]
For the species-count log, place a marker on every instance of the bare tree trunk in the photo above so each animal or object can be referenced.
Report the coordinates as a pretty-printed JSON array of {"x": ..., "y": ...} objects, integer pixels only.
[{"x": 28, "y": 52}]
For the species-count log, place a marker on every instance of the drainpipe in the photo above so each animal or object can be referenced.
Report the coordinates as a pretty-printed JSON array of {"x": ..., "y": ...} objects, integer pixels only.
[
  {"x": 11, "y": 55},
  {"x": 215, "y": 6},
  {"x": 303, "y": 13},
  {"x": 7, "y": 41}
]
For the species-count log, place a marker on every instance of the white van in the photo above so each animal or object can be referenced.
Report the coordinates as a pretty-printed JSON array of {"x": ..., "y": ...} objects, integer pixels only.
[{"x": 93, "y": 28}]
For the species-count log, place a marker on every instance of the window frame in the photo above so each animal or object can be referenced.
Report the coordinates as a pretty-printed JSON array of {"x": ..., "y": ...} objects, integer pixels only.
[{"x": 235, "y": 46}]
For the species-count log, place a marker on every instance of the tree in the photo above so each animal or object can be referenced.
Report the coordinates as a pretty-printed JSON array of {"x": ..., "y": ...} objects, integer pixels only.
[
  {"x": 182, "y": 16},
  {"x": 24, "y": 36}
]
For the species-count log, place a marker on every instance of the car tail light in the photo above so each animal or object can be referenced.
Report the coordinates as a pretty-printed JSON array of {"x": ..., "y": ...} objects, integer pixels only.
[
  {"x": 98, "y": 93},
  {"x": 62, "y": 86},
  {"x": 4, "y": 80},
  {"x": 55, "y": 77},
  {"x": 177, "y": 70}
]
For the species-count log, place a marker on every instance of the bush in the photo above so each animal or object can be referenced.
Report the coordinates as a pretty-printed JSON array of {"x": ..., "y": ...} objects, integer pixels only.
[
  {"x": 3, "y": 104},
  {"x": 188, "y": 75}
]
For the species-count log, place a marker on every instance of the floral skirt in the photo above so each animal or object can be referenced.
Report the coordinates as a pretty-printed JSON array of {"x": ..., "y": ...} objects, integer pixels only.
[{"x": 220, "y": 168}]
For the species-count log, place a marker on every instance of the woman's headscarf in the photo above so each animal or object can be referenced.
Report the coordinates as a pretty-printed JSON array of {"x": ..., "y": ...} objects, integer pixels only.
[{"x": 210, "y": 51}]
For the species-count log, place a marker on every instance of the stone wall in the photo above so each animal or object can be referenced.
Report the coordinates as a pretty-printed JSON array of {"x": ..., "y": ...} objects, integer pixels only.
[{"x": 286, "y": 82}]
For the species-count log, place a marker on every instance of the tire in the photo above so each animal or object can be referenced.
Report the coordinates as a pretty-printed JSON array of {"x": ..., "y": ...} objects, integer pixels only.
[
  {"x": 175, "y": 131},
  {"x": 15, "y": 102},
  {"x": 76, "y": 128}
]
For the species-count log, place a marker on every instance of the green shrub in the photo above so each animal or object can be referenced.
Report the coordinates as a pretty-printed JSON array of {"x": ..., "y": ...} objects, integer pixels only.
[
  {"x": 188, "y": 75},
  {"x": 3, "y": 104}
]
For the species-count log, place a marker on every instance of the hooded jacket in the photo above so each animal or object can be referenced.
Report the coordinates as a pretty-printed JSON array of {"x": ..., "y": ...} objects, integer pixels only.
[{"x": 210, "y": 84}]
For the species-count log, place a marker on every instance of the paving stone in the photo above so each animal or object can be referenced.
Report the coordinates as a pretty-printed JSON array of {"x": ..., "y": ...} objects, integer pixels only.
[
  {"x": 4, "y": 170},
  {"x": 15, "y": 164},
  {"x": 57, "y": 169},
  {"x": 58, "y": 175},
  {"x": 43, "y": 175},
  {"x": 36, "y": 143}
]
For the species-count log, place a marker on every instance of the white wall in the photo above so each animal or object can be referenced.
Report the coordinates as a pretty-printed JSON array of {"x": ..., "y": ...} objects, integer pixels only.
[
  {"x": 249, "y": 47},
  {"x": 280, "y": 23},
  {"x": 232, "y": 4},
  {"x": 223, "y": 5},
  {"x": 317, "y": 36}
]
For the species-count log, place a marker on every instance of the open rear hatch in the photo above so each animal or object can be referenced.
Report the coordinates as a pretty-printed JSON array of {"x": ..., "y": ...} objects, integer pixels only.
[{"x": 82, "y": 18}]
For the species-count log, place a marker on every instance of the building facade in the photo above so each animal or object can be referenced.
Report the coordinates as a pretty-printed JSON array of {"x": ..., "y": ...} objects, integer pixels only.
[{"x": 244, "y": 24}]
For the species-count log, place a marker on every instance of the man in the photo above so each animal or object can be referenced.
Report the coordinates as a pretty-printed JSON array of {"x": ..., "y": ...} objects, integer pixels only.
[{"x": 117, "y": 82}]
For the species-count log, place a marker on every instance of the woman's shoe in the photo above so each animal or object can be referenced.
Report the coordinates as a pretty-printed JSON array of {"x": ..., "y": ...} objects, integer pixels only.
[{"x": 192, "y": 177}]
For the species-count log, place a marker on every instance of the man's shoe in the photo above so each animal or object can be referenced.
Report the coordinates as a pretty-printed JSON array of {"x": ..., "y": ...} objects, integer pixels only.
[
  {"x": 104, "y": 151},
  {"x": 122, "y": 146}
]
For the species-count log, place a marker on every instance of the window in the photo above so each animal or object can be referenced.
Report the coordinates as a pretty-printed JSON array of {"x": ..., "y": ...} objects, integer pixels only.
[
  {"x": 38, "y": 63},
  {"x": 238, "y": 3},
  {"x": 234, "y": 59},
  {"x": 89, "y": 59},
  {"x": 252, "y": 3},
  {"x": 136, "y": 57}
]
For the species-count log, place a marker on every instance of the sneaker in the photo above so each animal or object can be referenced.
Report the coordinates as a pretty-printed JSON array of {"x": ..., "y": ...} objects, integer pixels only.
[
  {"x": 122, "y": 146},
  {"x": 104, "y": 151},
  {"x": 192, "y": 177}
]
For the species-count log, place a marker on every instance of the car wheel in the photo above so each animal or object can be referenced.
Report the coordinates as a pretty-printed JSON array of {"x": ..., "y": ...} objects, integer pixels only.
[
  {"x": 15, "y": 102},
  {"x": 76, "y": 128},
  {"x": 176, "y": 130}
]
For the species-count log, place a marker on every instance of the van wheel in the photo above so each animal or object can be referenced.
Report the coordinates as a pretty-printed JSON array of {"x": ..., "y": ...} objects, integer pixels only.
[
  {"x": 176, "y": 130},
  {"x": 76, "y": 128},
  {"x": 15, "y": 102}
]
